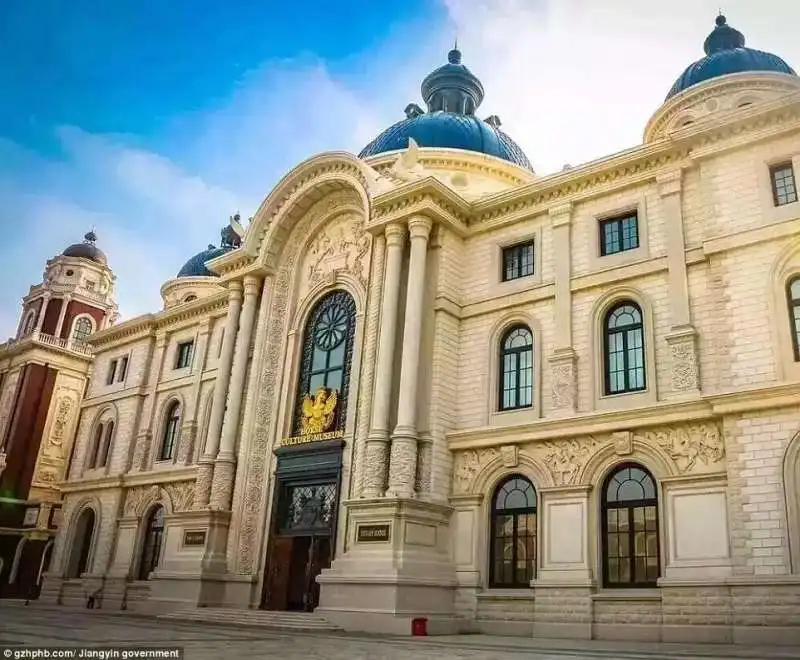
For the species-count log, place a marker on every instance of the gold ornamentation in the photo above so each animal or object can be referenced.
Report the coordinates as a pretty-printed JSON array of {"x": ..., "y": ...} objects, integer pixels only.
[{"x": 318, "y": 411}]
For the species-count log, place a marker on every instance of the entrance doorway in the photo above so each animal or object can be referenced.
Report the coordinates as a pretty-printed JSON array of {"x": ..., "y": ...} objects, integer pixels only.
[
  {"x": 296, "y": 561},
  {"x": 302, "y": 536}
]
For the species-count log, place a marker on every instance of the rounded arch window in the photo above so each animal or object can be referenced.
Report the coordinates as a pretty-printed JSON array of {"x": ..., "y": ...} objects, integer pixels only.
[
  {"x": 81, "y": 544},
  {"x": 624, "y": 357},
  {"x": 793, "y": 298},
  {"x": 169, "y": 440},
  {"x": 630, "y": 528},
  {"x": 82, "y": 329},
  {"x": 327, "y": 354},
  {"x": 152, "y": 542},
  {"x": 190, "y": 298},
  {"x": 516, "y": 368},
  {"x": 513, "y": 530}
]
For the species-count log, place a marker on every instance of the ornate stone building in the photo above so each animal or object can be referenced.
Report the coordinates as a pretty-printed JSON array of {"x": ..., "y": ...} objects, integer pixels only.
[
  {"x": 425, "y": 382},
  {"x": 43, "y": 373}
]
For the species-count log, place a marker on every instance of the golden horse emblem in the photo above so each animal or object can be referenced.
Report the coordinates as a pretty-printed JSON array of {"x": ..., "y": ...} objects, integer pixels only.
[{"x": 318, "y": 411}]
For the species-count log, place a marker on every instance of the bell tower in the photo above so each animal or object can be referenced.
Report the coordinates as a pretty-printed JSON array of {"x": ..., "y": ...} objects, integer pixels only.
[{"x": 43, "y": 373}]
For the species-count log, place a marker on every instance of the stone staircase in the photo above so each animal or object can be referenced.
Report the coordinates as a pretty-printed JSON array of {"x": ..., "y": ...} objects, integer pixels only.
[{"x": 294, "y": 621}]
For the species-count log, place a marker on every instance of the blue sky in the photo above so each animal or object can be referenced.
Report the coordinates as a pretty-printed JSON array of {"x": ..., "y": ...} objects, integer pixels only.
[{"x": 153, "y": 121}]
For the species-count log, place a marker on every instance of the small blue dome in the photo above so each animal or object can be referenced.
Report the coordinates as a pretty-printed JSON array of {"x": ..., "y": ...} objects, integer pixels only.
[
  {"x": 196, "y": 266},
  {"x": 726, "y": 54},
  {"x": 452, "y": 93}
]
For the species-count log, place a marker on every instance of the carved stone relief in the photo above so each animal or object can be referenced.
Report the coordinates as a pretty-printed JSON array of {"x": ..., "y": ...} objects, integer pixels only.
[
  {"x": 468, "y": 464},
  {"x": 254, "y": 488},
  {"x": 510, "y": 454},
  {"x": 7, "y": 400},
  {"x": 623, "y": 443},
  {"x": 685, "y": 371},
  {"x": 341, "y": 245},
  {"x": 137, "y": 498},
  {"x": 565, "y": 385},
  {"x": 566, "y": 458},
  {"x": 181, "y": 494},
  {"x": 687, "y": 445}
]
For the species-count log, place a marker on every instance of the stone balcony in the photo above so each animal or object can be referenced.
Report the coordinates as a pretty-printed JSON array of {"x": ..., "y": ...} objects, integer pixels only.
[{"x": 42, "y": 339}]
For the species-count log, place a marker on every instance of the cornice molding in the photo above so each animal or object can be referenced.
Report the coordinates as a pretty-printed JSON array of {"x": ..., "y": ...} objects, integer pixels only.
[
  {"x": 148, "y": 325},
  {"x": 711, "y": 406},
  {"x": 154, "y": 477}
]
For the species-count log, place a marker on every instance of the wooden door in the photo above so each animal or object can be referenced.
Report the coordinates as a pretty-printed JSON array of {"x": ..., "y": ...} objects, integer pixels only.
[
  {"x": 278, "y": 571},
  {"x": 320, "y": 559}
]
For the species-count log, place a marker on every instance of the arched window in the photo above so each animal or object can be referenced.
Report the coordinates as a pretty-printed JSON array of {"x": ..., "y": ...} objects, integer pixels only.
[
  {"x": 190, "y": 298},
  {"x": 327, "y": 353},
  {"x": 109, "y": 433},
  {"x": 151, "y": 544},
  {"x": 630, "y": 528},
  {"x": 81, "y": 544},
  {"x": 793, "y": 298},
  {"x": 82, "y": 329},
  {"x": 30, "y": 323},
  {"x": 96, "y": 445},
  {"x": 171, "y": 430},
  {"x": 624, "y": 349},
  {"x": 516, "y": 368},
  {"x": 513, "y": 525}
]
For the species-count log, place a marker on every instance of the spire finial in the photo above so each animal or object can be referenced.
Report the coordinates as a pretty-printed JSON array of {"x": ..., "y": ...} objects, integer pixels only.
[
  {"x": 90, "y": 237},
  {"x": 723, "y": 36}
]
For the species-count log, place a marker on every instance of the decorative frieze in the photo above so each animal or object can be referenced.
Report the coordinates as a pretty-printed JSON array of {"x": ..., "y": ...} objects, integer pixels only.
[
  {"x": 564, "y": 366},
  {"x": 685, "y": 371},
  {"x": 468, "y": 464},
  {"x": 139, "y": 498},
  {"x": 181, "y": 494}
]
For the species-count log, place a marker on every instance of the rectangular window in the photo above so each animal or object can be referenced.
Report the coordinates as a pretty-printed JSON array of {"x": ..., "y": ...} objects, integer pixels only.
[
  {"x": 518, "y": 261},
  {"x": 784, "y": 189},
  {"x": 112, "y": 369},
  {"x": 123, "y": 369},
  {"x": 619, "y": 234},
  {"x": 184, "y": 358}
]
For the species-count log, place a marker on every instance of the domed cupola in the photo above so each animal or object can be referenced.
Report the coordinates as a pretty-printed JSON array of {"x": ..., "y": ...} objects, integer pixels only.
[
  {"x": 230, "y": 240},
  {"x": 726, "y": 54},
  {"x": 87, "y": 250},
  {"x": 453, "y": 94}
]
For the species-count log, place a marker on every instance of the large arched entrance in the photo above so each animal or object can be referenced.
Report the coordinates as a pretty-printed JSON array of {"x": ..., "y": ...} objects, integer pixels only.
[{"x": 309, "y": 463}]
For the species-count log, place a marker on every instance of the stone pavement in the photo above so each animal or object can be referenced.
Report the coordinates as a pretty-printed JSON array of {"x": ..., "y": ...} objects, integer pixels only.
[{"x": 48, "y": 626}]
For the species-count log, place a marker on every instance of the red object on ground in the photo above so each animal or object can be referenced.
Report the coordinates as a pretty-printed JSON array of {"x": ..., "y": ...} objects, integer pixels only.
[{"x": 419, "y": 627}]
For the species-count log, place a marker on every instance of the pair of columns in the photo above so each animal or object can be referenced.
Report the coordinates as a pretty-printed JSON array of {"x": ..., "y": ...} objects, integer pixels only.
[
  {"x": 399, "y": 451},
  {"x": 218, "y": 463}
]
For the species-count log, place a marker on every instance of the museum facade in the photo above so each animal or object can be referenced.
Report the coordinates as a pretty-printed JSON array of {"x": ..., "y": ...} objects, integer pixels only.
[{"x": 424, "y": 382}]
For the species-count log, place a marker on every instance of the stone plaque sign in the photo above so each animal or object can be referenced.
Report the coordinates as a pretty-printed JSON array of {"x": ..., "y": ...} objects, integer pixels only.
[
  {"x": 193, "y": 538},
  {"x": 373, "y": 533}
]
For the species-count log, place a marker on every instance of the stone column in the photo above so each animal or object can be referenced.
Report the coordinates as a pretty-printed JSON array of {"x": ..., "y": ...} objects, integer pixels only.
[
  {"x": 61, "y": 314},
  {"x": 376, "y": 455},
  {"x": 42, "y": 310},
  {"x": 222, "y": 484},
  {"x": 682, "y": 338},
  {"x": 403, "y": 460},
  {"x": 205, "y": 468}
]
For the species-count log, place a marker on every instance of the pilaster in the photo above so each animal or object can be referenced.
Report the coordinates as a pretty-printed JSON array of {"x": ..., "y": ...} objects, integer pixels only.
[
  {"x": 40, "y": 319},
  {"x": 190, "y": 425},
  {"x": 144, "y": 438},
  {"x": 682, "y": 341}
]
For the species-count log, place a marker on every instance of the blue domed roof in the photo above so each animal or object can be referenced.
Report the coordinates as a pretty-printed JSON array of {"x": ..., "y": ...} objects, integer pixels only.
[
  {"x": 726, "y": 54},
  {"x": 231, "y": 238},
  {"x": 452, "y": 94},
  {"x": 196, "y": 266}
]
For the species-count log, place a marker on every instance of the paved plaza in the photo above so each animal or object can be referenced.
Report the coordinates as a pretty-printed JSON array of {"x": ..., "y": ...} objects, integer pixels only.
[{"x": 42, "y": 626}]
